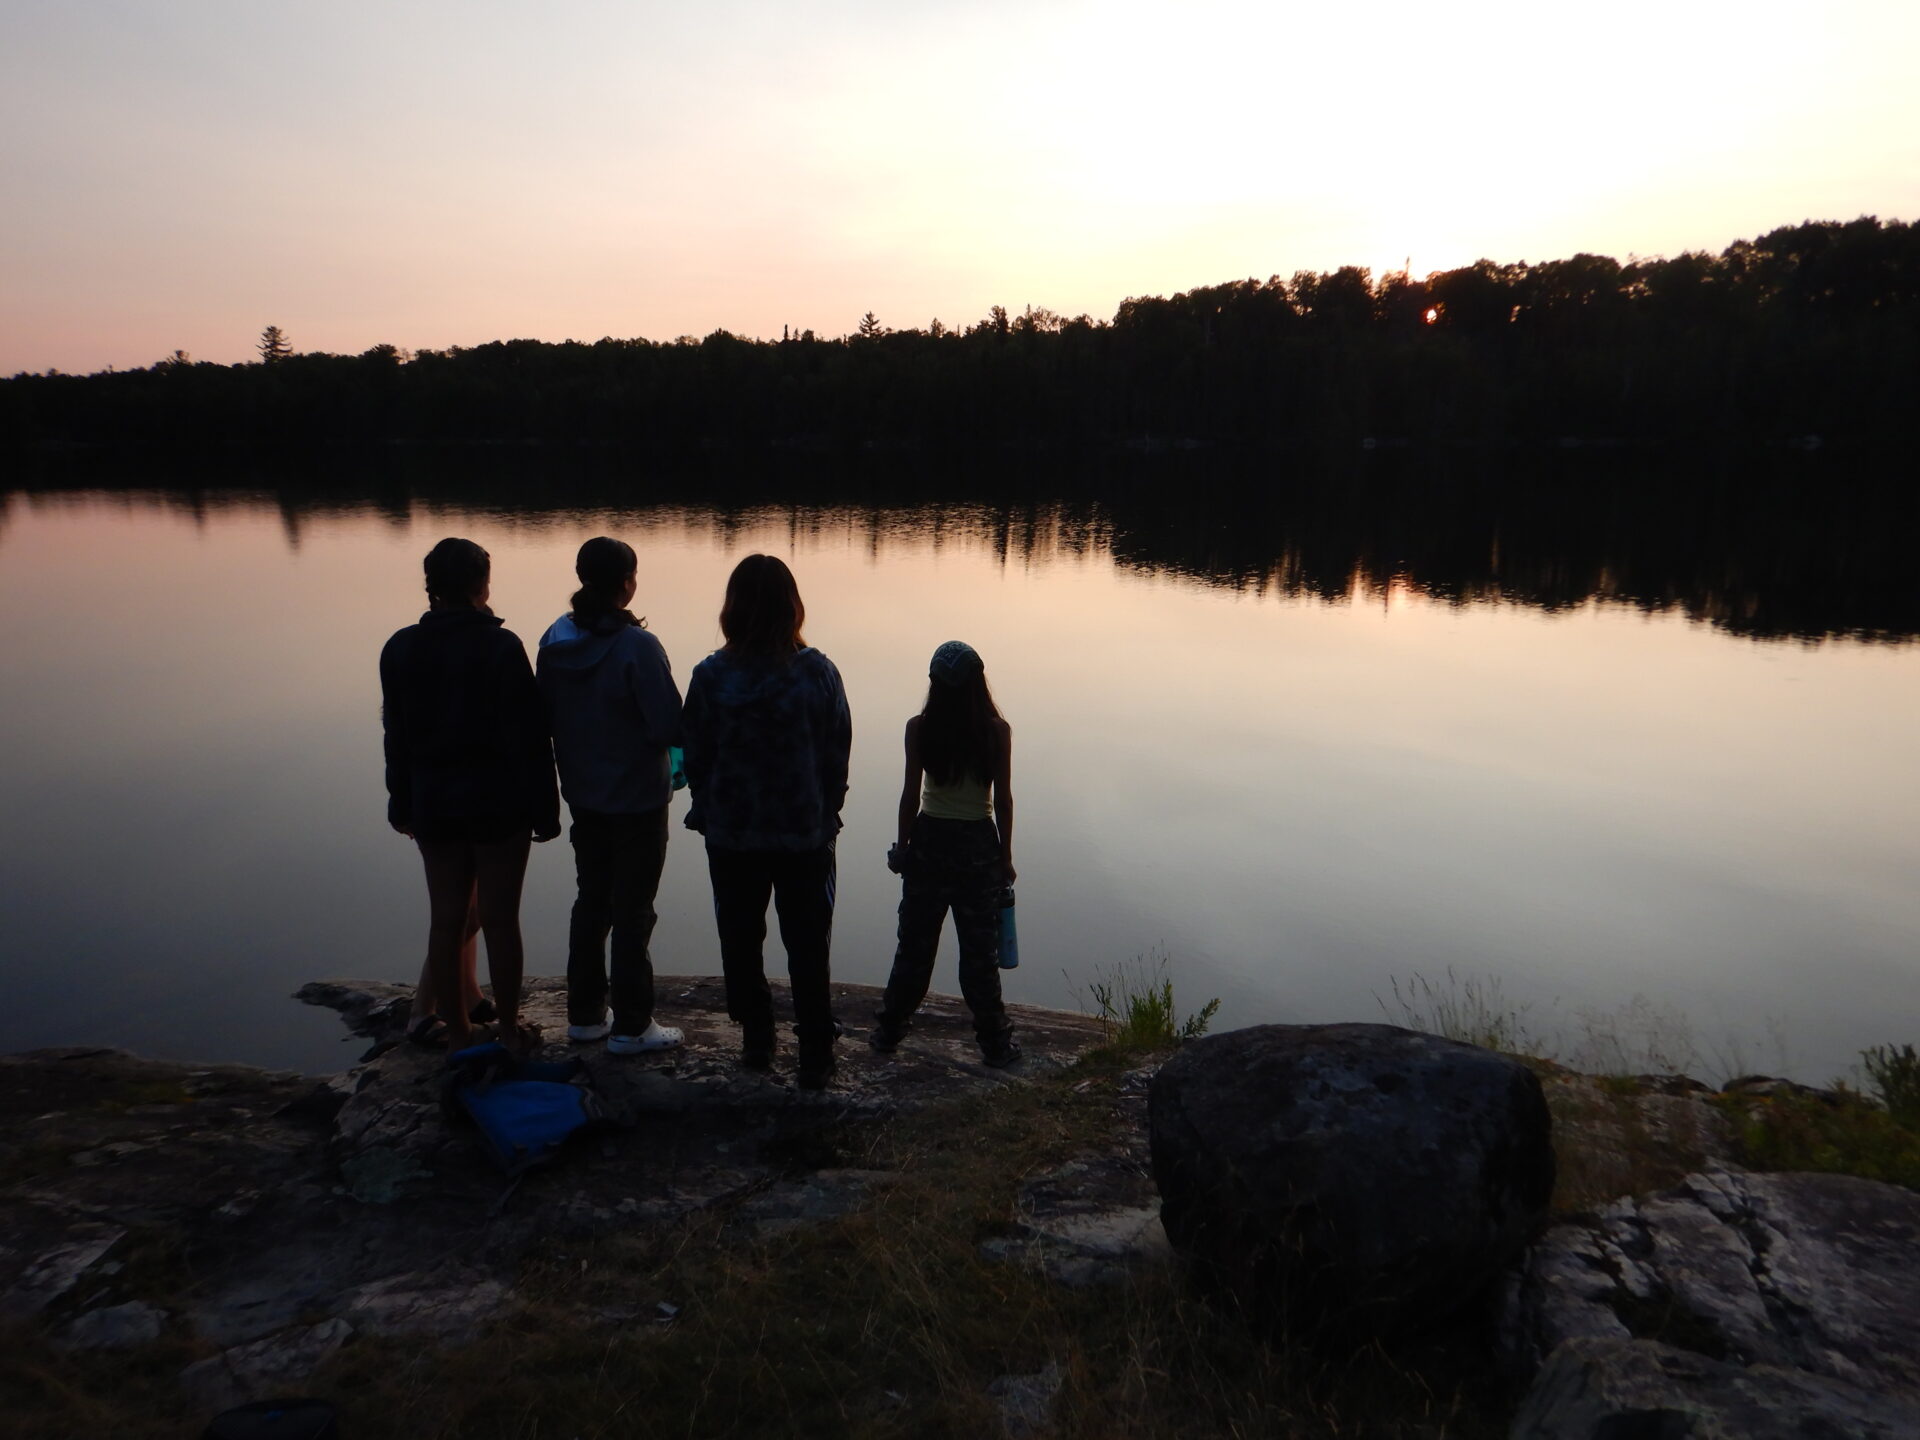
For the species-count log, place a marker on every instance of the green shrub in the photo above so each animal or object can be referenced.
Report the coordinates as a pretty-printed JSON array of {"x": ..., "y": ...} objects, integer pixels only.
[
  {"x": 1136, "y": 1002},
  {"x": 1837, "y": 1132},
  {"x": 1894, "y": 1074}
]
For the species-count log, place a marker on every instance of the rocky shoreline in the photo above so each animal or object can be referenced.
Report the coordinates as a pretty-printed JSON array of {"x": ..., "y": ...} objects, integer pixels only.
[
  {"x": 242, "y": 1228},
  {"x": 312, "y": 1211}
]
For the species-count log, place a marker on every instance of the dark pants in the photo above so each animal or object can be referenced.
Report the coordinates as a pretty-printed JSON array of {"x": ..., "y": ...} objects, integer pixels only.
[
  {"x": 951, "y": 865},
  {"x": 801, "y": 884},
  {"x": 618, "y": 860}
]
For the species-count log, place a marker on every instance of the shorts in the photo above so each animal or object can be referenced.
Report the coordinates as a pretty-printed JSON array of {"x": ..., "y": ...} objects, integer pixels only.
[{"x": 472, "y": 829}]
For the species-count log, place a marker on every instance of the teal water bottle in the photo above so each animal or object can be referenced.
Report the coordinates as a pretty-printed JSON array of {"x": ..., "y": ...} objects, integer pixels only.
[
  {"x": 1009, "y": 939},
  {"x": 677, "y": 765}
]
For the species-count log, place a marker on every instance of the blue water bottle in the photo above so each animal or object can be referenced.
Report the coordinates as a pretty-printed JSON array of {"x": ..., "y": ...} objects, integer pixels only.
[
  {"x": 1009, "y": 940},
  {"x": 677, "y": 766}
]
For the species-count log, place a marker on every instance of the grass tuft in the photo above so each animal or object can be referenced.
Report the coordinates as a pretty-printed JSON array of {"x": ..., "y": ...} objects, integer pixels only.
[
  {"x": 1474, "y": 1012},
  {"x": 1136, "y": 1003},
  {"x": 1894, "y": 1074},
  {"x": 1835, "y": 1132}
]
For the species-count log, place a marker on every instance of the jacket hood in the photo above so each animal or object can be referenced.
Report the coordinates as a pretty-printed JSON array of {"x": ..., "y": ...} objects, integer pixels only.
[
  {"x": 566, "y": 646},
  {"x": 739, "y": 682}
]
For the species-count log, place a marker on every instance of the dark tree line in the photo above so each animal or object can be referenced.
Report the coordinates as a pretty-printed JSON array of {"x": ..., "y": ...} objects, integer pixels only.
[{"x": 1811, "y": 330}]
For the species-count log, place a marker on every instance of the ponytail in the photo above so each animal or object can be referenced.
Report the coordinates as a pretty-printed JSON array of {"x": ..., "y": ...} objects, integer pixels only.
[{"x": 604, "y": 566}]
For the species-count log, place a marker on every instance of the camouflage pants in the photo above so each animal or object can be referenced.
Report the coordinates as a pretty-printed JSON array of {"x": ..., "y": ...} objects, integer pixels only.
[{"x": 951, "y": 865}]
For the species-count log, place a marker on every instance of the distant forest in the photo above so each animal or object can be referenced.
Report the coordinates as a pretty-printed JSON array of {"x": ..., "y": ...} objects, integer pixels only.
[{"x": 1806, "y": 337}]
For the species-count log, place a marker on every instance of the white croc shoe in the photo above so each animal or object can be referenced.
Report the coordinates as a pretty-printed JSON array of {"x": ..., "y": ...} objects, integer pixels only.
[
  {"x": 656, "y": 1037},
  {"x": 582, "y": 1034}
]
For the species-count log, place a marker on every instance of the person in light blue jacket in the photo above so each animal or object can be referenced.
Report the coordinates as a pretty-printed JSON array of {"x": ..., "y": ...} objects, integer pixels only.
[
  {"x": 767, "y": 738},
  {"x": 614, "y": 710}
]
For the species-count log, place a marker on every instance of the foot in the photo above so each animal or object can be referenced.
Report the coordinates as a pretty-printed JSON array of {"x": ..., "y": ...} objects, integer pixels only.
[
  {"x": 885, "y": 1038},
  {"x": 427, "y": 1031},
  {"x": 1001, "y": 1054},
  {"x": 815, "y": 1075},
  {"x": 655, "y": 1037},
  {"x": 585, "y": 1034}
]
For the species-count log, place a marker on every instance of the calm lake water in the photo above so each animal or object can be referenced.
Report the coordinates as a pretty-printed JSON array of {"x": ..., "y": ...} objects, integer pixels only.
[{"x": 1300, "y": 791}]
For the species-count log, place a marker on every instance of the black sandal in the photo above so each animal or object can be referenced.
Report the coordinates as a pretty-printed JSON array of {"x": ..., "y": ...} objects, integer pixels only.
[
  {"x": 429, "y": 1032},
  {"x": 483, "y": 1012}
]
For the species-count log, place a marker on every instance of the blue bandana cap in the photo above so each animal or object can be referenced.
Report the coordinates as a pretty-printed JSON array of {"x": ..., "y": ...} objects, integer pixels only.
[{"x": 955, "y": 663}]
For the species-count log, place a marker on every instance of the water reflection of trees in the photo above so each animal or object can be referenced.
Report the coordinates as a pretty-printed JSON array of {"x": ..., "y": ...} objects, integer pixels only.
[
  {"x": 1775, "y": 553},
  {"x": 1800, "y": 546}
]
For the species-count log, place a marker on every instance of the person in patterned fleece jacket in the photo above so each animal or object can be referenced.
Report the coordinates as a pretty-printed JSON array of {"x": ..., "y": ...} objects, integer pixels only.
[{"x": 767, "y": 735}]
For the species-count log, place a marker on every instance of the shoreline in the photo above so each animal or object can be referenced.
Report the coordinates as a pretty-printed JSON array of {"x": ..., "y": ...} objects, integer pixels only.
[{"x": 938, "y": 1243}]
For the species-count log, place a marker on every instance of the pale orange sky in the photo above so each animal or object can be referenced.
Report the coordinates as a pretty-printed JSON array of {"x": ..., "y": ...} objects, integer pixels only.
[{"x": 432, "y": 174}]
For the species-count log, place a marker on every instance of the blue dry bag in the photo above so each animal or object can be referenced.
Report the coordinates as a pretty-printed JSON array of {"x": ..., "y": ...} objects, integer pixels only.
[{"x": 524, "y": 1109}]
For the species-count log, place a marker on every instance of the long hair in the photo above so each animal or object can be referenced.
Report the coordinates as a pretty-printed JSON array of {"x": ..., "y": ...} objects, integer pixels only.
[
  {"x": 455, "y": 570},
  {"x": 762, "y": 614},
  {"x": 604, "y": 566},
  {"x": 957, "y": 734}
]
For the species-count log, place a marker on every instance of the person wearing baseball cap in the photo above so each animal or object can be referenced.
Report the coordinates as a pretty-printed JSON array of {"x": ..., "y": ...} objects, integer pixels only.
[{"x": 954, "y": 851}]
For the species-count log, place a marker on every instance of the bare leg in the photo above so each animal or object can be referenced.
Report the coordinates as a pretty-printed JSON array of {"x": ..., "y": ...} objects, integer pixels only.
[
  {"x": 470, "y": 995},
  {"x": 425, "y": 1002},
  {"x": 450, "y": 885},
  {"x": 499, "y": 870}
]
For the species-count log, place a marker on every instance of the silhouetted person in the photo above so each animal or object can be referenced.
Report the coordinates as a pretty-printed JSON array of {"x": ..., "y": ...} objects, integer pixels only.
[
  {"x": 767, "y": 735},
  {"x": 470, "y": 780},
  {"x": 954, "y": 851},
  {"x": 614, "y": 710}
]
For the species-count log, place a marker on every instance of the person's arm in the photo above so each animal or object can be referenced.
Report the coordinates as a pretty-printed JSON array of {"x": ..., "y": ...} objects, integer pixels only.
[
  {"x": 1003, "y": 797},
  {"x": 529, "y": 709},
  {"x": 839, "y": 743},
  {"x": 697, "y": 743},
  {"x": 393, "y": 725},
  {"x": 910, "y": 787},
  {"x": 655, "y": 693}
]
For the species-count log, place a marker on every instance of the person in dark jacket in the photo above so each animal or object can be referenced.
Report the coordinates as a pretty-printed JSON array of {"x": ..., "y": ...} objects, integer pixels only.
[
  {"x": 614, "y": 710},
  {"x": 469, "y": 779},
  {"x": 767, "y": 737}
]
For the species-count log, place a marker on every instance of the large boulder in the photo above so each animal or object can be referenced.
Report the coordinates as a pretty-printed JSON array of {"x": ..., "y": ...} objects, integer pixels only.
[{"x": 1360, "y": 1177}]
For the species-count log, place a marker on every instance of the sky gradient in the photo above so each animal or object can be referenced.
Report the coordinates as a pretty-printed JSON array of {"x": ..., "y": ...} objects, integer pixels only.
[{"x": 180, "y": 173}]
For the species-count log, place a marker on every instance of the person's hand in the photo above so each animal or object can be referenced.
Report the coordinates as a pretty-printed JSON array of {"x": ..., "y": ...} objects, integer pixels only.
[
  {"x": 1007, "y": 865},
  {"x": 402, "y": 830},
  {"x": 544, "y": 833}
]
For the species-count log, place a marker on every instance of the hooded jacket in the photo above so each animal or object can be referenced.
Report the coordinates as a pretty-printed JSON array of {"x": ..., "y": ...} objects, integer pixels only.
[
  {"x": 614, "y": 710},
  {"x": 466, "y": 734},
  {"x": 767, "y": 745}
]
